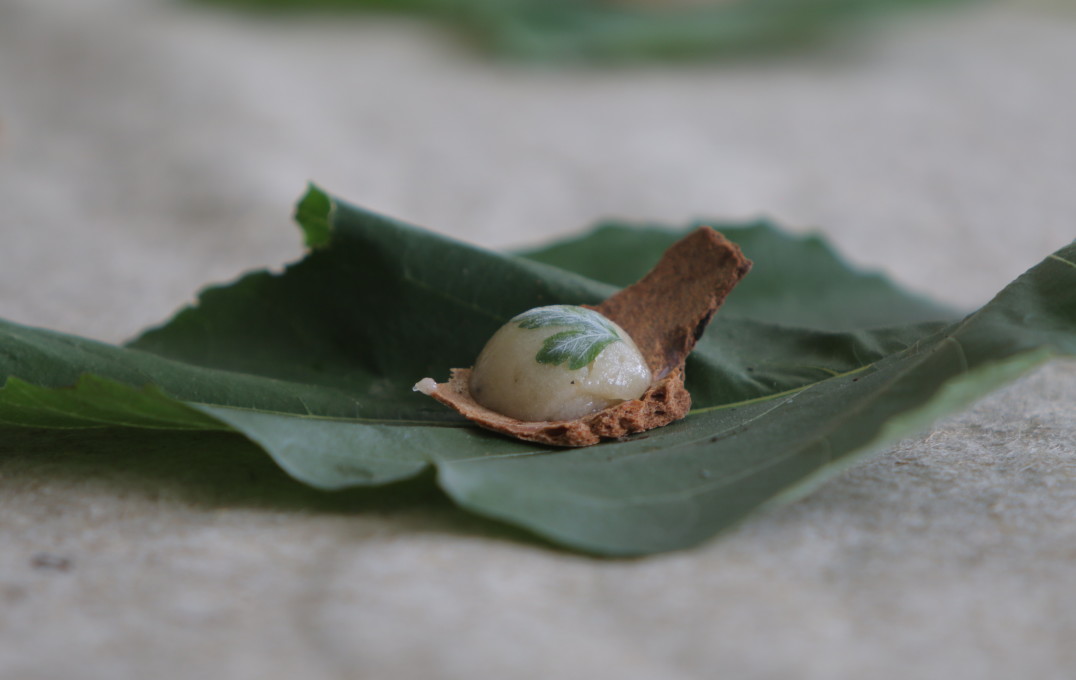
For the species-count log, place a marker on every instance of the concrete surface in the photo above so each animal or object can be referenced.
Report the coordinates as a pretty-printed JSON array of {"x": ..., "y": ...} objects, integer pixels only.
[{"x": 148, "y": 148}]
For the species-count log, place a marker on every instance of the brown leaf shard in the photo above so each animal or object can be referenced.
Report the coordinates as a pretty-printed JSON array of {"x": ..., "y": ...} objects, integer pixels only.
[{"x": 665, "y": 313}]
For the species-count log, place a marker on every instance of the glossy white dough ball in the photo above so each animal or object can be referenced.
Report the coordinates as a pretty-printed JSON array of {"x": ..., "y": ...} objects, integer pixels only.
[{"x": 509, "y": 378}]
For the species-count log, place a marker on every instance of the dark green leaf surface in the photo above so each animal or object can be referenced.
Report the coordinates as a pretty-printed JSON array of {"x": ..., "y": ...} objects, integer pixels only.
[
  {"x": 315, "y": 365},
  {"x": 828, "y": 294}
]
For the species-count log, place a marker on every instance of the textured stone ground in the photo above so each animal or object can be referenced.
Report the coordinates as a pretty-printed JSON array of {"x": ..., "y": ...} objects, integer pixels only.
[{"x": 147, "y": 149}]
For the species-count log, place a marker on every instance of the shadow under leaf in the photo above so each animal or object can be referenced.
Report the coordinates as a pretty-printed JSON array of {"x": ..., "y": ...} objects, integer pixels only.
[{"x": 214, "y": 470}]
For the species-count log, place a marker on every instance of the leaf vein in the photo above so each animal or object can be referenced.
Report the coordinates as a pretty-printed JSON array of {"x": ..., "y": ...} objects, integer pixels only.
[{"x": 1055, "y": 256}]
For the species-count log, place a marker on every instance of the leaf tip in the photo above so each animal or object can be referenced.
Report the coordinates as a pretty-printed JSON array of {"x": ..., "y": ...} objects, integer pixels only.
[{"x": 314, "y": 215}]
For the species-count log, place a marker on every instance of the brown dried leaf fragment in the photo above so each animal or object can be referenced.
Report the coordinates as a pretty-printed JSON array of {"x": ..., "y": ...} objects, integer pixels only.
[{"x": 665, "y": 313}]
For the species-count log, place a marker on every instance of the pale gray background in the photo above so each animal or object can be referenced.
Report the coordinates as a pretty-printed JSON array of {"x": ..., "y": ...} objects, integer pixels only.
[{"x": 148, "y": 149}]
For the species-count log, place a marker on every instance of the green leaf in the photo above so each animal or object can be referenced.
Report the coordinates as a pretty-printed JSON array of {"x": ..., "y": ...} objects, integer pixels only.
[
  {"x": 314, "y": 366},
  {"x": 587, "y": 334},
  {"x": 828, "y": 293}
]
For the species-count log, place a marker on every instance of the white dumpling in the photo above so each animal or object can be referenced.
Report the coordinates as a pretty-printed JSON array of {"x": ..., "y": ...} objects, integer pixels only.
[{"x": 558, "y": 363}]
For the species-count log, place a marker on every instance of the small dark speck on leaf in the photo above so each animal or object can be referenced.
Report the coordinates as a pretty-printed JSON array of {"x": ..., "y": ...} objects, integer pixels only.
[
  {"x": 855, "y": 379},
  {"x": 750, "y": 369},
  {"x": 48, "y": 561},
  {"x": 573, "y": 382}
]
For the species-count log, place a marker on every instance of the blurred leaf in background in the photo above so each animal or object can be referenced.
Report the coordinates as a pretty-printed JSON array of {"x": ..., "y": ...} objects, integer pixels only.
[{"x": 614, "y": 30}]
